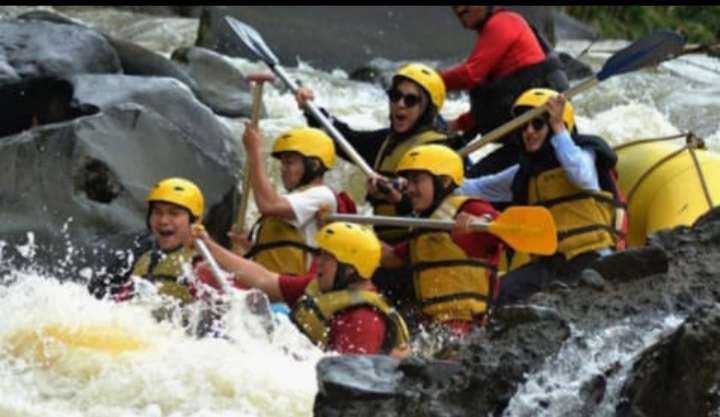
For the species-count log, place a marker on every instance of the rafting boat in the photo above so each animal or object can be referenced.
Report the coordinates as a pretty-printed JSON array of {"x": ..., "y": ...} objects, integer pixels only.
[{"x": 666, "y": 184}]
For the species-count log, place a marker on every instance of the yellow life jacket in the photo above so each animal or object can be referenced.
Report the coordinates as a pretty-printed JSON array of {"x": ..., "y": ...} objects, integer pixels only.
[
  {"x": 163, "y": 269},
  {"x": 385, "y": 165},
  {"x": 585, "y": 220},
  {"x": 449, "y": 284},
  {"x": 279, "y": 246},
  {"x": 315, "y": 310}
]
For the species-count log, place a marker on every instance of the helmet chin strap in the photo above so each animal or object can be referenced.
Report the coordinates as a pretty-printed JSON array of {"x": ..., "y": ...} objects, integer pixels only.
[
  {"x": 343, "y": 278},
  {"x": 439, "y": 194},
  {"x": 311, "y": 170}
]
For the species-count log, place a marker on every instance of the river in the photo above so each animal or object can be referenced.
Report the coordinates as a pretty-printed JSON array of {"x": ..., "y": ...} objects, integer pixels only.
[{"x": 247, "y": 374}]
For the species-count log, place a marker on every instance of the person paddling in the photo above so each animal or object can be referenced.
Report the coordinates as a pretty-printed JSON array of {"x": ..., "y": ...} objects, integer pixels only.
[
  {"x": 338, "y": 308},
  {"x": 284, "y": 236},
  {"x": 509, "y": 57},
  {"x": 571, "y": 175},
  {"x": 454, "y": 274},
  {"x": 415, "y": 98}
]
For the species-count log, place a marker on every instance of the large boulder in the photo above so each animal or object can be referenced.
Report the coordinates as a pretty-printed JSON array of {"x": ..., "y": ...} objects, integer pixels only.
[
  {"x": 79, "y": 183},
  {"x": 169, "y": 98},
  {"x": 351, "y": 35},
  {"x": 220, "y": 85},
  {"x": 31, "y": 48}
]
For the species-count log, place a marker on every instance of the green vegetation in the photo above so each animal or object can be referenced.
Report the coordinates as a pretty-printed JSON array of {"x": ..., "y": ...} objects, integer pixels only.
[{"x": 699, "y": 24}]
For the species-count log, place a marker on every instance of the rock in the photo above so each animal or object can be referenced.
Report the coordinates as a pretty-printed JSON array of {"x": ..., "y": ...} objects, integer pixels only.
[
  {"x": 137, "y": 60},
  {"x": 567, "y": 27},
  {"x": 38, "y": 101},
  {"x": 575, "y": 69},
  {"x": 38, "y": 48},
  {"x": 134, "y": 59},
  {"x": 76, "y": 184},
  {"x": 220, "y": 85},
  {"x": 632, "y": 264},
  {"x": 678, "y": 375},
  {"x": 170, "y": 99},
  {"x": 351, "y": 35}
]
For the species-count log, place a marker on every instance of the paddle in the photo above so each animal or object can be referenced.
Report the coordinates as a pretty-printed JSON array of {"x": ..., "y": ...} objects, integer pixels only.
[
  {"x": 255, "y": 43},
  {"x": 644, "y": 52},
  {"x": 524, "y": 228},
  {"x": 256, "y": 300},
  {"x": 259, "y": 79}
]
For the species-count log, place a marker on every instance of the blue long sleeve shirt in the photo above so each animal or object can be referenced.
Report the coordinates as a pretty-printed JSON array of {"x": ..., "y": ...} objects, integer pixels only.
[{"x": 579, "y": 164}]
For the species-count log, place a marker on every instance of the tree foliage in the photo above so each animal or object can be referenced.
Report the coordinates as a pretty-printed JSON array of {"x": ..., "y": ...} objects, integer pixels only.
[{"x": 699, "y": 24}]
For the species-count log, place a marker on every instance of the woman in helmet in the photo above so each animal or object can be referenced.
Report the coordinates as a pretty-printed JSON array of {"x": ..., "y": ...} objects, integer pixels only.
[
  {"x": 570, "y": 175},
  {"x": 338, "y": 308},
  {"x": 453, "y": 273},
  {"x": 284, "y": 237},
  {"x": 416, "y": 96},
  {"x": 174, "y": 204}
]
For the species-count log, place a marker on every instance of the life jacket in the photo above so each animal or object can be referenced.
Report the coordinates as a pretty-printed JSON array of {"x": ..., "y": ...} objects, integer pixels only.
[
  {"x": 164, "y": 268},
  {"x": 491, "y": 103},
  {"x": 315, "y": 310},
  {"x": 449, "y": 284},
  {"x": 387, "y": 160},
  {"x": 280, "y": 247},
  {"x": 585, "y": 220}
]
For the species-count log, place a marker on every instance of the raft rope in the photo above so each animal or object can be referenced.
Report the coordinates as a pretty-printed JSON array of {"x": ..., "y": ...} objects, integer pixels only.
[{"x": 692, "y": 143}]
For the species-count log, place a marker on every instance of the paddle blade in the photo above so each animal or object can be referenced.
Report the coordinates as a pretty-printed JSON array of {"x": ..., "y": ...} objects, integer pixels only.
[
  {"x": 252, "y": 39},
  {"x": 650, "y": 50},
  {"x": 526, "y": 229}
]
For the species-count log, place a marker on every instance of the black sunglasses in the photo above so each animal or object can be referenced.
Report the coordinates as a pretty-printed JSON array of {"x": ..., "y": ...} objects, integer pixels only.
[
  {"x": 537, "y": 123},
  {"x": 410, "y": 100}
]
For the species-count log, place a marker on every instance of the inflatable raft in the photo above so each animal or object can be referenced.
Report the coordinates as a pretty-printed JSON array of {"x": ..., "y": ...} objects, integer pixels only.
[{"x": 666, "y": 184}]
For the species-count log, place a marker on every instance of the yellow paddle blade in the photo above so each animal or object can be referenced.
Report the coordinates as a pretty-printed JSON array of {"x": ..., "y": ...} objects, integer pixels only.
[
  {"x": 526, "y": 229},
  {"x": 52, "y": 341}
]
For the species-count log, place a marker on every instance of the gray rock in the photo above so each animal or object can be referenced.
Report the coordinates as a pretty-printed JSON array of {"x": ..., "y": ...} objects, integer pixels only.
[
  {"x": 678, "y": 376},
  {"x": 220, "y": 85},
  {"x": 134, "y": 59},
  {"x": 169, "y": 98},
  {"x": 351, "y": 35},
  {"x": 36, "y": 48}
]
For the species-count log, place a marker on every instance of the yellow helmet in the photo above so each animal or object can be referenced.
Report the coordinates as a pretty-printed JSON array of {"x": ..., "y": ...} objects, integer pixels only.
[
  {"x": 181, "y": 192},
  {"x": 435, "y": 159},
  {"x": 308, "y": 142},
  {"x": 351, "y": 244},
  {"x": 428, "y": 79},
  {"x": 536, "y": 97}
]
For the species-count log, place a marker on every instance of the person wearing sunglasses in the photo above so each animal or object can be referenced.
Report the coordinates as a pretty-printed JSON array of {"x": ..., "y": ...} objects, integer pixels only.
[
  {"x": 415, "y": 98},
  {"x": 570, "y": 174},
  {"x": 509, "y": 57}
]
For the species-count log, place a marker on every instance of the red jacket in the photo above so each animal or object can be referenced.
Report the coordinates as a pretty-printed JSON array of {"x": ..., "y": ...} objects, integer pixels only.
[{"x": 504, "y": 44}]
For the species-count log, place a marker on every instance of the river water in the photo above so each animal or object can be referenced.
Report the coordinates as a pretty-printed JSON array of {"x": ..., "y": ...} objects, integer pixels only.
[{"x": 248, "y": 374}]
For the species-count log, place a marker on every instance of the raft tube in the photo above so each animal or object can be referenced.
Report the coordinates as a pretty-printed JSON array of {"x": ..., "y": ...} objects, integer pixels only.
[{"x": 666, "y": 184}]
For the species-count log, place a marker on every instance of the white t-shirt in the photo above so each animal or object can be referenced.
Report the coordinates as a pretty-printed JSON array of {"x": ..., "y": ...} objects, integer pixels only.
[{"x": 305, "y": 204}]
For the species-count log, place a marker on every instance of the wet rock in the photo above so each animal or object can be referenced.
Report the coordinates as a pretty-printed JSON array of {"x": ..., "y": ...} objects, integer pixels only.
[
  {"x": 134, "y": 59},
  {"x": 632, "y": 264},
  {"x": 678, "y": 376},
  {"x": 351, "y": 35},
  {"x": 35, "y": 48},
  {"x": 169, "y": 98},
  {"x": 75, "y": 184},
  {"x": 38, "y": 101},
  {"x": 567, "y": 27},
  {"x": 220, "y": 85},
  {"x": 575, "y": 69},
  {"x": 138, "y": 60}
]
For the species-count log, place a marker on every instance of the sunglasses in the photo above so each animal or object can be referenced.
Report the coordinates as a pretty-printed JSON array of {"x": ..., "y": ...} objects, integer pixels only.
[
  {"x": 409, "y": 100},
  {"x": 537, "y": 123}
]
